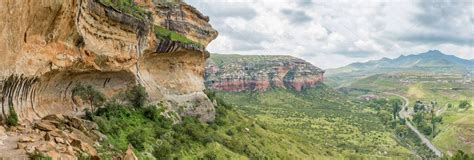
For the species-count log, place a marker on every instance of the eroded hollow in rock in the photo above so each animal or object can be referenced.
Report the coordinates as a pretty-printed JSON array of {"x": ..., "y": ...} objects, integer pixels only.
[{"x": 52, "y": 92}]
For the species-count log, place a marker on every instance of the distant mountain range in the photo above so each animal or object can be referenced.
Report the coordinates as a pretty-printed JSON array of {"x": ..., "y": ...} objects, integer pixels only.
[{"x": 431, "y": 61}]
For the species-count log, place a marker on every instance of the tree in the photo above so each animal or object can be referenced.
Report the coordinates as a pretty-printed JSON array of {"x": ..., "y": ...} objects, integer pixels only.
[
  {"x": 137, "y": 96},
  {"x": 419, "y": 106},
  {"x": 88, "y": 93},
  {"x": 464, "y": 104},
  {"x": 433, "y": 122},
  {"x": 418, "y": 118},
  {"x": 396, "y": 107}
]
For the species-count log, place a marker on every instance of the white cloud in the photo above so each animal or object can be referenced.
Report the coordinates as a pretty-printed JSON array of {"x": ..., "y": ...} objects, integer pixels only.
[{"x": 345, "y": 31}]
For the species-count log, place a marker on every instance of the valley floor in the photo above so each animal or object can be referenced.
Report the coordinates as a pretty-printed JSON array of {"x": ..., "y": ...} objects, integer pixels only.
[
  {"x": 456, "y": 130},
  {"x": 342, "y": 126}
]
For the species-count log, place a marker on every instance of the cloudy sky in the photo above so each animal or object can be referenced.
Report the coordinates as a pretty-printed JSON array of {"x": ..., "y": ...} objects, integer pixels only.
[{"x": 334, "y": 33}]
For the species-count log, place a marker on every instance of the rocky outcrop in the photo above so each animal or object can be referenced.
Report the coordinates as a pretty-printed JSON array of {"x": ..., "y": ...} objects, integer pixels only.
[
  {"x": 237, "y": 73},
  {"x": 58, "y": 137},
  {"x": 49, "y": 46}
]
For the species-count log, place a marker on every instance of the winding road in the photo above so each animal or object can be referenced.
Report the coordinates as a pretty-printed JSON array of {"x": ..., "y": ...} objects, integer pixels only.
[{"x": 423, "y": 138}]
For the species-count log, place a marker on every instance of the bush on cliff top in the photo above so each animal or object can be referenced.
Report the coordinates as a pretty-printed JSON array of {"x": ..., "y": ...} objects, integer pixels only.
[
  {"x": 163, "y": 33},
  {"x": 128, "y": 7}
]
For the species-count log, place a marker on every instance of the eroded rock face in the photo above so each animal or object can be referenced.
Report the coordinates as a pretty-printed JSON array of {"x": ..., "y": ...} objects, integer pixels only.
[
  {"x": 47, "y": 47},
  {"x": 237, "y": 73}
]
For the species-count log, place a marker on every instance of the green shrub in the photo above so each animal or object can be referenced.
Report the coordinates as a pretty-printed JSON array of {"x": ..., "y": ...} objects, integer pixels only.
[
  {"x": 88, "y": 114},
  {"x": 12, "y": 118},
  {"x": 210, "y": 155},
  {"x": 137, "y": 96},
  {"x": 163, "y": 33},
  {"x": 163, "y": 150},
  {"x": 460, "y": 155},
  {"x": 464, "y": 104},
  {"x": 137, "y": 139},
  {"x": 152, "y": 113}
]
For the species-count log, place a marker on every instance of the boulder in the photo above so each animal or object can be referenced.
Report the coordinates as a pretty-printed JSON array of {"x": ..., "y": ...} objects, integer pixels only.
[
  {"x": 54, "y": 117},
  {"x": 59, "y": 140},
  {"x": 129, "y": 155},
  {"x": 85, "y": 147},
  {"x": 44, "y": 126},
  {"x": 101, "y": 136},
  {"x": 77, "y": 123},
  {"x": 90, "y": 125},
  {"x": 26, "y": 139}
]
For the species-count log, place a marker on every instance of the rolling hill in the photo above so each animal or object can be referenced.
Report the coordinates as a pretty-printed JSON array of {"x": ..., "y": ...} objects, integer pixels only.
[{"x": 433, "y": 61}]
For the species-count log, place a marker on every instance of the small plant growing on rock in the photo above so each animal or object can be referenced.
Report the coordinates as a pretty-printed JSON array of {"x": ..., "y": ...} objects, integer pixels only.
[
  {"x": 90, "y": 94},
  {"x": 12, "y": 119}
]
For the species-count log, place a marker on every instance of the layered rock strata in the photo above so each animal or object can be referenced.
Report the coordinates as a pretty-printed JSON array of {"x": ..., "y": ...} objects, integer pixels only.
[
  {"x": 236, "y": 73},
  {"x": 47, "y": 47}
]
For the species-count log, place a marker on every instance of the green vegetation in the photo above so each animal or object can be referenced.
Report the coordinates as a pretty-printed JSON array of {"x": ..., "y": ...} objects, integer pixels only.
[
  {"x": 464, "y": 104},
  {"x": 410, "y": 140},
  {"x": 137, "y": 96},
  {"x": 38, "y": 156},
  {"x": 153, "y": 135},
  {"x": 460, "y": 155},
  {"x": 221, "y": 59},
  {"x": 163, "y": 33},
  {"x": 90, "y": 94},
  {"x": 424, "y": 116},
  {"x": 448, "y": 121},
  {"x": 344, "y": 127},
  {"x": 129, "y": 7},
  {"x": 12, "y": 118}
]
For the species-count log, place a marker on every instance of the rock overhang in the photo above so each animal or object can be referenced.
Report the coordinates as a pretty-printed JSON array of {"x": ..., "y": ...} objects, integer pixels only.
[{"x": 104, "y": 40}]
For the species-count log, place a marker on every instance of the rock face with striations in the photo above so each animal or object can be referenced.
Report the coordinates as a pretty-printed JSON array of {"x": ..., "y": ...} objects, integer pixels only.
[
  {"x": 47, "y": 47},
  {"x": 237, "y": 73}
]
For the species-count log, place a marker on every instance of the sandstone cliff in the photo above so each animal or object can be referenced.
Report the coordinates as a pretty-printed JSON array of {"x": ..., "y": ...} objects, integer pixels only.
[
  {"x": 237, "y": 73},
  {"x": 48, "y": 46}
]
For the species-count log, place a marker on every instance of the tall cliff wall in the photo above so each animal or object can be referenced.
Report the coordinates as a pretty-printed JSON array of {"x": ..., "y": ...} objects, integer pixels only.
[
  {"x": 237, "y": 73},
  {"x": 48, "y": 46}
]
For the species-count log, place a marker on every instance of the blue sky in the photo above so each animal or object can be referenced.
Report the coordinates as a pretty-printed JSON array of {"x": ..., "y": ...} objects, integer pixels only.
[{"x": 339, "y": 32}]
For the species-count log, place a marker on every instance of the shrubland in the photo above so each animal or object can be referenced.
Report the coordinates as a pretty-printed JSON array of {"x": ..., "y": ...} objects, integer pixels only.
[{"x": 129, "y": 119}]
